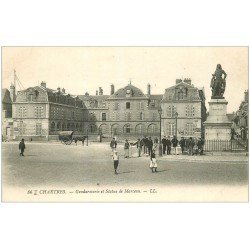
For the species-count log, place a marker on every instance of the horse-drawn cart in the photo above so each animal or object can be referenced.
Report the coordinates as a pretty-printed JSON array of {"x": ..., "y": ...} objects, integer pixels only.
[{"x": 66, "y": 137}]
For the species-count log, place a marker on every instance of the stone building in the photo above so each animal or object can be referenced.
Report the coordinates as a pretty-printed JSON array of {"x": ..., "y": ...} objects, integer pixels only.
[
  {"x": 7, "y": 121},
  {"x": 39, "y": 113},
  {"x": 127, "y": 112},
  {"x": 240, "y": 120},
  {"x": 183, "y": 105}
]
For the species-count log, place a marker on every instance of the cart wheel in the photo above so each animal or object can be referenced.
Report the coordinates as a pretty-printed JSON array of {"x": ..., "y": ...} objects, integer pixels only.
[{"x": 68, "y": 142}]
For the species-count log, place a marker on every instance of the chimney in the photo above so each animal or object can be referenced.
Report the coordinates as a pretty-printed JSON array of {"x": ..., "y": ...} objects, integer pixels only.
[
  {"x": 100, "y": 91},
  {"x": 187, "y": 80},
  {"x": 12, "y": 92},
  {"x": 177, "y": 81},
  {"x": 148, "y": 90},
  {"x": 112, "y": 90},
  {"x": 246, "y": 95},
  {"x": 96, "y": 93},
  {"x": 63, "y": 90},
  {"x": 58, "y": 89},
  {"x": 43, "y": 84}
]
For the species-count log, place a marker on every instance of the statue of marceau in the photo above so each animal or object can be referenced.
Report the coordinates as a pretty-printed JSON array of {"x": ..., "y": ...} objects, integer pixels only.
[{"x": 218, "y": 83}]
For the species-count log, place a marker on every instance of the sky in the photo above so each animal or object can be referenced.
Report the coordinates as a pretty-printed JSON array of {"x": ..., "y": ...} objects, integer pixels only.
[{"x": 85, "y": 69}]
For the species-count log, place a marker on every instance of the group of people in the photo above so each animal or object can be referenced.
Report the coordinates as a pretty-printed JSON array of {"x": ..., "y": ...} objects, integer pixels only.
[
  {"x": 147, "y": 146},
  {"x": 191, "y": 145}
]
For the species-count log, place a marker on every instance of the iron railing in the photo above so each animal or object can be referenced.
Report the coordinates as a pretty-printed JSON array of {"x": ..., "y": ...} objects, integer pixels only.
[{"x": 224, "y": 145}]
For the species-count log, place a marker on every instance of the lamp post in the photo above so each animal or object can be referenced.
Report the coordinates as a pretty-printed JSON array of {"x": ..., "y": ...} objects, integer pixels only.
[
  {"x": 160, "y": 145},
  {"x": 176, "y": 116}
]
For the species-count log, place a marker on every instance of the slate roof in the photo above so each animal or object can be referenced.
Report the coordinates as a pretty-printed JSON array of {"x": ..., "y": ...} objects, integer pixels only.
[
  {"x": 6, "y": 96},
  {"x": 121, "y": 93}
]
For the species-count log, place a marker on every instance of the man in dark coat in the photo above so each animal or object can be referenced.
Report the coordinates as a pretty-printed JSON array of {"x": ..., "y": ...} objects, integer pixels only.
[
  {"x": 182, "y": 144},
  {"x": 145, "y": 145},
  {"x": 21, "y": 147},
  {"x": 168, "y": 145},
  {"x": 139, "y": 145},
  {"x": 150, "y": 146},
  {"x": 164, "y": 144},
  {"x": 113, "y": 145},
  {"x": 200, "y": 145},
  {"x": 175, "y": 143},
  {"x": 190, "y": 145}
]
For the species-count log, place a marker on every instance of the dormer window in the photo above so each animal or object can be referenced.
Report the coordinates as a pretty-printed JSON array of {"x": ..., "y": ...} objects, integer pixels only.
[{"x": 30, "y": 97}]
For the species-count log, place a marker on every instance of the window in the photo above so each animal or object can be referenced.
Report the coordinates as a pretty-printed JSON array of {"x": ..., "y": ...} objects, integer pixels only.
[
  {"x": 38, "y": 112},
  {"x": 140, "y": 105},
  {"x": 104, "y": 117},
  {"x": 152, "y": 129},
  {"x": 171, "y": 110},
  {"x": 139, "y": 129},
  {"x": 190, "y": 111},
  {"x": 128, "y": 116},
  {"x": 141, "y": 116},
  {"x": 58, "y": 126},
  {"x": 154, "y": 116},
  {"x": 22, "y": 112},
  {"x": 116, "y": 105},
  {"x": 30, "y": 97},
  {"x": 180, "y": 95},
  {"x": 127, "y": 129},
  {"x": 38, "y": 129},
  {"x": 127, "y": 105},
  {"x": 92, "y": 116},
  {"x": 21, "y": 128},
  {"x": 152, "y": 103},
  {"x": 189, "y": 129},
  {"x": 92, "y": 128},
  {"x": 52, "y": 127},
  {"x": 170, "y": 129}
]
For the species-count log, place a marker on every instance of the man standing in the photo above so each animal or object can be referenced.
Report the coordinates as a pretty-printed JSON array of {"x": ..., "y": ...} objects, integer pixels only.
[
  {"x": 168, "y": 142},
  {"x": 150, "y": 146},
  {"x": 139, "y": 145},
  {"x": 113, "y": 145},
  {"x": 116, "y": 160},
  {"x": 21, "y": 147},
  {"x": 164, "y": 144},
  {"x": 190, "y": 146},
  {"x": 200, "y": 145},
  {"x": 126, "y": 149},
  {"x": 175, "y": 143},
  {"x": 145, "y": 145},
  {"x": 182, "y": 144}
]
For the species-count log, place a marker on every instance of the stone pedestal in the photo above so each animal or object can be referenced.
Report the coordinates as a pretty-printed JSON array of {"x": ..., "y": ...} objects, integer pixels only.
[{"x": 217, "y": 126}]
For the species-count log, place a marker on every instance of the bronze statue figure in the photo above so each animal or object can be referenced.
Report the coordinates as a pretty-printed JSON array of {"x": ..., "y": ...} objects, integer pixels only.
[{"x": 218, "y": 83}]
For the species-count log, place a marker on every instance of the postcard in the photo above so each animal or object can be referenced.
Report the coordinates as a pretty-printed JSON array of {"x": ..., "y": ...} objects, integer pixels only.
[{"x": 124, "y": 124}]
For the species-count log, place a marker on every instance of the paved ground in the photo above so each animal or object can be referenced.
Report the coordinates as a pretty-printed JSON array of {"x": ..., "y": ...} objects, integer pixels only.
[{"x": 55, "y": 164}]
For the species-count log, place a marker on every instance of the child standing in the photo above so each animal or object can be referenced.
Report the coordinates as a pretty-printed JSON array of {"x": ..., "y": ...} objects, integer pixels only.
[
  {"x": 116, "y": 161},
  {"x": 153, "y": 163}
]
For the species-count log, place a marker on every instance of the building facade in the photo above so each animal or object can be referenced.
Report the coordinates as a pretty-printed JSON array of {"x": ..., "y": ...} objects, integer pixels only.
[
  {"x": 7, "y": 121},
  {"x": 40, "y": 113},
  {"x": 240, "y": 120},
  {"x": 127, "y": 113},
  {"x": 184, "y": 110}
]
